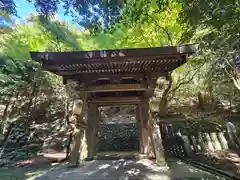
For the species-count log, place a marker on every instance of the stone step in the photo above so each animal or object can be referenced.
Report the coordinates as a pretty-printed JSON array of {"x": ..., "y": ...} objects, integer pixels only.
[{"x": 109, "y": 156}]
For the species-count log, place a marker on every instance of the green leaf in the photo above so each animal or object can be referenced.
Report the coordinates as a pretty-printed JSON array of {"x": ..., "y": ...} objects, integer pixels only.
[
  {"x": 180, "y": 69},
  {"x": 5, "y": 16}
]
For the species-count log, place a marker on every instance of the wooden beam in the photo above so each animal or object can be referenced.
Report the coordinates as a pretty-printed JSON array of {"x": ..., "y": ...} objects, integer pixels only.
[
  {"x": 117, "y": 87},
  {"x": 110, "y": 76},
  {"x": 115, "y": 101},
  {"x": 89, "y": 57}
]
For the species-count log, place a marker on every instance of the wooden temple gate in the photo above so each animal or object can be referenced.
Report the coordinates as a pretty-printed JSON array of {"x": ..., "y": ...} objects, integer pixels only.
[{"x": 114, "y": 77}]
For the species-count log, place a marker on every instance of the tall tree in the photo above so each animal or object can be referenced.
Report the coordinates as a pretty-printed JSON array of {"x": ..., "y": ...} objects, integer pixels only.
[{"x": 221, "y": 21}]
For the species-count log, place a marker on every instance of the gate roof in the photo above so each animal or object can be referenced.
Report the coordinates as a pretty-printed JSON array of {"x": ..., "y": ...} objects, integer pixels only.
[{"x": 137, "y": 60}]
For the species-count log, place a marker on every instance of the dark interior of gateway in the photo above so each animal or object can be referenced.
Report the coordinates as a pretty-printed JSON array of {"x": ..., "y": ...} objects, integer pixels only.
[{"x": 119, "y": 131}]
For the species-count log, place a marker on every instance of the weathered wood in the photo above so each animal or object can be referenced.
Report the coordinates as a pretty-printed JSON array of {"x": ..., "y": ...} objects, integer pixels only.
[
  {"x": 97, "y": 134},
  {"x": 115, "y": 100},
  {"x": 92, "y": 130},
  {"x": 117, "y": 87},
  {"x": 89, "y": 78},
  {"x": 156, "y": 69},
  {"x": 139, "y": 123},
  {"x": 128, "y": 55},
  {"x": 90, "y": 66},
  {"x": 145, "y": 139}
]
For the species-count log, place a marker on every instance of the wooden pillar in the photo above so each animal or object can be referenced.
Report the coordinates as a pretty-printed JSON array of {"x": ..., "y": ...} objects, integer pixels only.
[
  {"x": 96, "y": 133},
  {"x": 78, "y": 128},
  {"x": 92, "y": 130},
  {"x": 139, "y": 128}
]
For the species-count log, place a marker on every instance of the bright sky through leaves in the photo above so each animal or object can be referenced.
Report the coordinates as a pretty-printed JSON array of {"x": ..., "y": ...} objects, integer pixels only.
[{"x": 24, "y": 9}]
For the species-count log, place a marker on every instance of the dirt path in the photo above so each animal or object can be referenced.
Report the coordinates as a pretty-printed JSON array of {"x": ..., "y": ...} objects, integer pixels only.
[{"x": 126, "y": 169}]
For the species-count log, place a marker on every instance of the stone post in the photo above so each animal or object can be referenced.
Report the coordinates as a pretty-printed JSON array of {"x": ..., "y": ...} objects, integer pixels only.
[
  {"x": 215, "y": 142},
  {"x": 201, "y": 142},
  {"x": 209, "y": 144},
  {"x": 223, "y": 141},
  {"x": 155, "y": 134},
  {"x": 194, "y": 143},
  {"x": 187, "y": 145},
  {"x": 78, "y": 130},
  {"x": 77, "y": 123}
]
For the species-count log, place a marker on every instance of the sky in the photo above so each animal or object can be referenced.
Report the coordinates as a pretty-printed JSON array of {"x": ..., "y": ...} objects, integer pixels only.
[{"x": 24, "y": 9}]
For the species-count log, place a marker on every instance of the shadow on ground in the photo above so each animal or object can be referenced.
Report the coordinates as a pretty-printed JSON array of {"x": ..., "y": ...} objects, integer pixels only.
[{"x": 127, "y": 170}]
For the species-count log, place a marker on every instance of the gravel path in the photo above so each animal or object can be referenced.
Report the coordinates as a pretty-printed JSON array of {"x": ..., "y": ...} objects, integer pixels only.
[{"x": 126, "y": 170}]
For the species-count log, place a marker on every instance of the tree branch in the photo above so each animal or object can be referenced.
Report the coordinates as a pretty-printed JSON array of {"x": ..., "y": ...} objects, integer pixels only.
[
  {"x": 145, "y": 39},
  {"x": 166, "y": 92},
  {"x": 164, "y": 29},
  {"x": 185, "y": 82}
]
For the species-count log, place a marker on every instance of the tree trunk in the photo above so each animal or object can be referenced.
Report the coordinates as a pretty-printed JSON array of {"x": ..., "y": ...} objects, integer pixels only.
[
  {"x": 163, "y": 107},
  {"x": 165, "y": 97}
]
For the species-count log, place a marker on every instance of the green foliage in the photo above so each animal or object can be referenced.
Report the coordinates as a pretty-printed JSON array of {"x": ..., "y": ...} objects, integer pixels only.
[
  {"x": 143, "y": 23},
  {"x": 8, "y": 6},
  {"x": 119, "y": 137},
  {"x": 92, "y": 14},
  {"x": 220, "y": 42}
]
